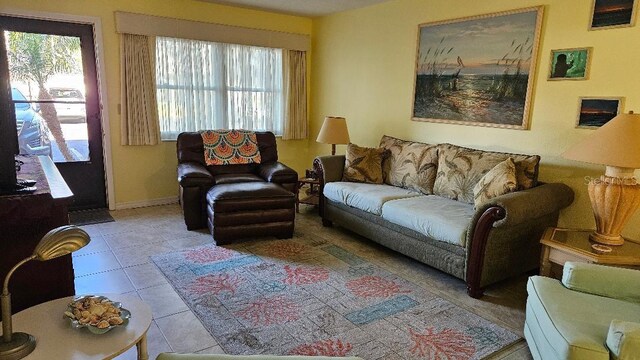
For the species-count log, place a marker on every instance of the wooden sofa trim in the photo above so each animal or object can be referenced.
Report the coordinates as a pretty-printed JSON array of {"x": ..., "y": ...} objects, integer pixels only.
[{"x": 478, "y": 245}]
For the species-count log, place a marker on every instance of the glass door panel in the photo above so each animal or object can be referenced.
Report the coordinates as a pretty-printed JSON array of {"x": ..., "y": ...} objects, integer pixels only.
[{"x": 48, "y": 91}]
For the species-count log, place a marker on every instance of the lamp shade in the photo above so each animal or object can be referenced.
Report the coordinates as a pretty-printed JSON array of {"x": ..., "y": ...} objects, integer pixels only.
[
  {"x": 334, "y": 131},
  {"x": 614, "y": 144}
]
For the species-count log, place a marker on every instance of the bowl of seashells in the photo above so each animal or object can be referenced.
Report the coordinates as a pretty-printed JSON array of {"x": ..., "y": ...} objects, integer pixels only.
[{"x": 96, "y": 313}]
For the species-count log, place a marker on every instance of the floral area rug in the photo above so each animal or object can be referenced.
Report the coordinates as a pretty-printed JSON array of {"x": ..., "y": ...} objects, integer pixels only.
[{"x": 311, "y": 297}]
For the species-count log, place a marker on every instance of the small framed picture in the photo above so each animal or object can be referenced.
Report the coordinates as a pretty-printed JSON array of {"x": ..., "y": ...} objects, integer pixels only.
[
  {"x": 606, "y": 14},
  {"x": 570, "y": 64},
  {"x": 595, "y": 112}
]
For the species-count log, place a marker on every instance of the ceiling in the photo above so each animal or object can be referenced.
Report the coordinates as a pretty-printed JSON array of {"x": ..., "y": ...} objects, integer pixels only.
[{"x": 311, "y": 8}]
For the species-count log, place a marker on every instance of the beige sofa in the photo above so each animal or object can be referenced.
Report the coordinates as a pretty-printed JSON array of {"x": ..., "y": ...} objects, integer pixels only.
[{"x": 424, "y": 209}]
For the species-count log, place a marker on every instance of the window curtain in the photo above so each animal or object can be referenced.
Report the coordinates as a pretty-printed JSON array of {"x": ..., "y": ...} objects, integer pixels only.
[
  {"x": 139, "y": 116},
  {"x": 295, "y": 95},
  {"x": 207, "y": 85}
]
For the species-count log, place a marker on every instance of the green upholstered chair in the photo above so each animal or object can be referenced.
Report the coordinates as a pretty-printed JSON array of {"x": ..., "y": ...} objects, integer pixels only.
[
  {"x": 172, "y": 356},
  {"x": 593, "y": 314}
]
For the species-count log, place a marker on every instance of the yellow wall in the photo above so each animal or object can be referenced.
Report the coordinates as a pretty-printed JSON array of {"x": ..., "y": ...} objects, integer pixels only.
[
  {"x": 363, "y": 69},
  {"x": 143, "y": 173}
]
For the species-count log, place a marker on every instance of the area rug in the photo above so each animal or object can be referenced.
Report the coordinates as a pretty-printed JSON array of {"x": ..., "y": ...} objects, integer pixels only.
[
  {"x": 302, "y": 297},
  {"x": 90, "y": 217}
]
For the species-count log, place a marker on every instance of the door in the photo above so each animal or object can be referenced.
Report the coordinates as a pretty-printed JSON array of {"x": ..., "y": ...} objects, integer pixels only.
[{"x": 54, "y": 87}]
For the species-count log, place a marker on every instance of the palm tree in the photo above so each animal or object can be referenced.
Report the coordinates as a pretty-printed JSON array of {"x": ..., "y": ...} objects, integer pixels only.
[{"x": 37, "y": 57}]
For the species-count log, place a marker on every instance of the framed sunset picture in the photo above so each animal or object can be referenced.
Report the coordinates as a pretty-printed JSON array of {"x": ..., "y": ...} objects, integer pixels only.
[
  {"x": 477, "y": 70},
  {"x": 613, "y": 13},
  {"x": 595, "y": 112}
]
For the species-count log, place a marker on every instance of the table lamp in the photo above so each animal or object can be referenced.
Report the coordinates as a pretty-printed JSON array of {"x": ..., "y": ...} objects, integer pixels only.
[
  {"x": 57, "y": 242},
  {"x": 615, "y": 196},
  {"x": 334, "y": 131}
]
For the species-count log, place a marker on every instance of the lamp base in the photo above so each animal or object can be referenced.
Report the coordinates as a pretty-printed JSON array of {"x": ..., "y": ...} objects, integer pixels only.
[
  {"x": 21, "y": 345},
  {"x": 607, "y": 240},
  {"x": 613, "y": 200}
]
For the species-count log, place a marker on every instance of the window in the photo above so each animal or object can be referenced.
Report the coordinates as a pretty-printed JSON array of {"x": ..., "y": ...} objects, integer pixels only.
[{"x": 207, "y": 85}]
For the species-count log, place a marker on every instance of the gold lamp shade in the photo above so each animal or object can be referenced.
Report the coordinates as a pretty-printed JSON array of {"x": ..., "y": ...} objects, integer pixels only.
[
  {"x": 334, "y": 131},
  {"x": 615, "y": 196},
  {"x": 60, "y": 241},
  {"x": 57, "y": 242}
]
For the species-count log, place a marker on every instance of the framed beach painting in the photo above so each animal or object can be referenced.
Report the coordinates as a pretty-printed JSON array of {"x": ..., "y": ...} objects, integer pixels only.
[
  {"x": 595, "y": 112},
  {"x": 570, "y": 64},
  {"x": 606, "y": 14},
  {"x": 477, "y": 70}
]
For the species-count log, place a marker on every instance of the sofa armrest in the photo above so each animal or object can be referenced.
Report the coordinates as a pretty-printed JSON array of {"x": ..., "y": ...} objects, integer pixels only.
[
  {"x": 194, "y": 174},
  {"x": 525, "y": 205},
  {"x": 611, "y": 282},
  {"x": 329, "y": 168},
  {"x": 623, "y": 340},
  {"x": 278, "y": 173}
]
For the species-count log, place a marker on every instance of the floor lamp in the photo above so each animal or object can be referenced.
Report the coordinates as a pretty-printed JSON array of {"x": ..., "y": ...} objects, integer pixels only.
[
  {"x": 615, "y": 196},
  {"x": 334, "y": 131}
]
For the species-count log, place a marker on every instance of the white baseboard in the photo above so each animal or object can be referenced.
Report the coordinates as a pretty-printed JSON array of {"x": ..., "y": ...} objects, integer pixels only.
[{"x": 147, "y": 203}]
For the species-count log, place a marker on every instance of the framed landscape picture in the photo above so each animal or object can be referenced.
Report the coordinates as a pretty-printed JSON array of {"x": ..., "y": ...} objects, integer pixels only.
[
  {"x": 477, "y": 70},
  {"x": 612, "y": 13},
  {"x": 595, "y": 112},
  {"x": 570, "y": 64}
]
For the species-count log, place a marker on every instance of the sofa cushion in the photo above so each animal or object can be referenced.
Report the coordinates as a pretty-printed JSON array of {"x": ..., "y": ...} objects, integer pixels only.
[
  {"x": 460, "y": 169},
  {"x": 498, "y": 181},
  {"x": 433, "y": 216},
  {"x": 363, "y": 164},
  {"x": 366, "y": 197},
  {"x": 571, "y": 324},
  {"x": 411, "y": 165}
]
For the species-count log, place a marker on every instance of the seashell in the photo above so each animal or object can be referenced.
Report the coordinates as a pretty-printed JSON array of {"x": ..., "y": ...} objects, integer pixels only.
[
  {"x": 116, "y": 320},
  {"x": 103, "y": 324}
]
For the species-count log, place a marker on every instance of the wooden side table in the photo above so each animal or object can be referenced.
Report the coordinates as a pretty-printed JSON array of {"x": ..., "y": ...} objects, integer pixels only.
[
  {"x": 311, "y": 193},
  {"x": 55, "y": 339},
  {"x": 561, "y": 245}
]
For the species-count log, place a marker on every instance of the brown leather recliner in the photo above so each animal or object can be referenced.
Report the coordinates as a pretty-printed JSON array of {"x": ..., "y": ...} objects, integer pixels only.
[{"x": 271, "y": 210}]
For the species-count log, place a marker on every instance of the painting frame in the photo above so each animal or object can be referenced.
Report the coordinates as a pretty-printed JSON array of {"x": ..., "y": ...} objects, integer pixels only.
[
  {"x": 587, "y": 50},
  {"x": 632, "y": 17},
  {"x": 523, "y": 124},
  {"x": 580, "y": 124}
]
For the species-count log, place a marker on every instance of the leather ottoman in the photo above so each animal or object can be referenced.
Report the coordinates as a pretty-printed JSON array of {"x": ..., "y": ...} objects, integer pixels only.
[{"x": 248, "y": 210}]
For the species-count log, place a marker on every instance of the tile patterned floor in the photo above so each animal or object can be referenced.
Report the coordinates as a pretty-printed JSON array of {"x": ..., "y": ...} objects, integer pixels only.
[{"x": 117, "y": 261}]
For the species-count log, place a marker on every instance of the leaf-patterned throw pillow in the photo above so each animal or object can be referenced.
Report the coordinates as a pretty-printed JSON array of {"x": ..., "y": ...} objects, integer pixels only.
[
  {"x": 363, "y": 164},
  {"x": 498, "y": 181},
  {"x": 410, "y": 165},
  {"x": 460, "y": 169}
]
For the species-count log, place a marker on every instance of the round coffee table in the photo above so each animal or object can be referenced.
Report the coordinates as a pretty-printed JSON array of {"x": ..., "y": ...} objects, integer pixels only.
[{"x": 55, "y": 339}]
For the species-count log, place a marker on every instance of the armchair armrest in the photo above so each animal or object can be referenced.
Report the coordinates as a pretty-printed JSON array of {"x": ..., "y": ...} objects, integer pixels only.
[
  {"x": 524, "y": 205},
  {"x": 194, "y": 174},
  {"x": 611, "y": 282},
  {"x": 623, "y": 340},
  {"x": 278, "y": 173},
  {"x": 329, "y": 168}
]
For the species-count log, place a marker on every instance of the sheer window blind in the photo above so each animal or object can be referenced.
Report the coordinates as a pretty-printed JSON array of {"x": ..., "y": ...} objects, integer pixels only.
[{"x": 207, "y": 85}]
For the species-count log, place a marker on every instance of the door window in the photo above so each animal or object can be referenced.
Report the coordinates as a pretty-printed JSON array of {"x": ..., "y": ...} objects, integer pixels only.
[{"x": 47, "y": 87}]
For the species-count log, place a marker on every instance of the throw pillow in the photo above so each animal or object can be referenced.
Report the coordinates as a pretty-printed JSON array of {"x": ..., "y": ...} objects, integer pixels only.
[
  {"x": 498, "y": 181},
  {"x": 363, "y": 164},
  {"x": 460, "y": 169},
  {"x": 410, "y": 165},
  {"x": 230, "y": 147}
]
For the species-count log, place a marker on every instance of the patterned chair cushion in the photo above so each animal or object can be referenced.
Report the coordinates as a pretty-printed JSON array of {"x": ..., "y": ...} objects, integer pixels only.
[
  {"x": 363, "y": 164},
  {"x": 460, "y": 169},
  {"x": 498, "y": 181},
  {"x": 411, "y": 165}
]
